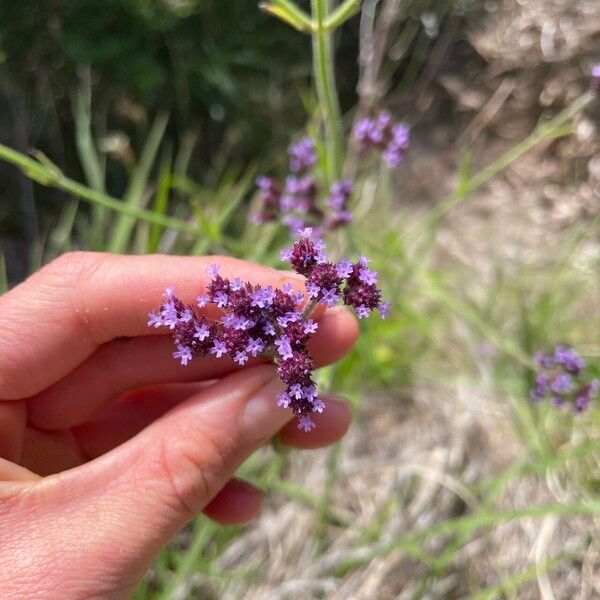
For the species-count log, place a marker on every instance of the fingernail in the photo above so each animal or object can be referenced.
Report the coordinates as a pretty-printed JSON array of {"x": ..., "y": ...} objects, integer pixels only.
[{"x": 261, "y": 417}]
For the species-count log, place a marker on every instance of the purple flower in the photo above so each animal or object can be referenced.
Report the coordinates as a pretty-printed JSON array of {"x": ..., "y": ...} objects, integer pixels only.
[
  {"x": 562, "y": 384},
  {"x": 313, "y": 290},
  {"x": 582, "y": 402},
  {"x": 362, "y": 312},
  {"x": 329, "y": 298},
  {"x": 155, "y": 320},
  {"x": 380, "y": 133},
  {"x": 398, "y": 145},
  {"x": 236, "y": 285},
  {"x": 295, "y": 391},
  {"x": 286, "y": 254},
  {"x": 221, "y": 299},
  {"x": 318, "y": 405},
  {"x": 309, "y": 393},
  {"x": 596, "y": 79},
  {"x": 283, "y": 400},
  {"x": 540, "y": 389},
  {"x": 339, "y": 194},
  {"x": 384, "y": 309},
  {"x": 570, "y": 359},
  {"x": 212, "y": 271},
  {"x": 201, "y": 332},
  {"x": 302, "y": 155},
  {"x": 344, "y": 269},
  {"x": 562, "y": 379},
  {"x": 255, "y": 346},
  {"x": 294, "y": 224},
  {"x": 262, "y": 320},
  {"x": 183, "y": 353},
  {"x": 543, "y": 360},
  {"x": 269, "y": 329},
  {"x": 262, "y": 297},
  {"x": 367, "y": 276},
  {"x": 305, "y": 423},
  {"x": 241, "y": 358},
  {"x": 290, "y": 317},
  {"x": 310, "y": 326},
  {"x": 169, "y": 314},
  {"x": 284, "y": 347},
  {"x": 219, "y": 348}
]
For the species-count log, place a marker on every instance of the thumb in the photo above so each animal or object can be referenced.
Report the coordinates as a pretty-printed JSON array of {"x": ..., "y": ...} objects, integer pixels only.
[{"x": 125, "y": 506}]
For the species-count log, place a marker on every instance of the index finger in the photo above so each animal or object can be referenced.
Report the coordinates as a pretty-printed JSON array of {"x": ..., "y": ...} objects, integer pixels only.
[{"x": 57, "y": 318}]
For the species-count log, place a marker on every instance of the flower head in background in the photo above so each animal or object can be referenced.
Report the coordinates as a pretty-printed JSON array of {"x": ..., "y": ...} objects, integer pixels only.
[
  {"x": 302, "y": 155},
  {"x": 562, "y": 378},
  {"x": 259, "y": 320},
  {"x": 301, "y": 202},
  {"x": 381, "y": 133},
  {"x": 596, "y": 79}
]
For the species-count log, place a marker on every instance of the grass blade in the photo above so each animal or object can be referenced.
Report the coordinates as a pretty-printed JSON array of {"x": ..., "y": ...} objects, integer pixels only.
[{"x": 134, "y": 195}]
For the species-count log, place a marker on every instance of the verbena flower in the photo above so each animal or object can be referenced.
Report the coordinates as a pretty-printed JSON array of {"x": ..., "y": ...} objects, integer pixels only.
[
  {"x": 302, "y": 155},
  {"x": 382, "y": 134},
  {"x": 562, "y": 378},
  {"x": 596, "y": 79},
  {"x": 302, "y": 202},
  {"x": 265, "y": 321}
]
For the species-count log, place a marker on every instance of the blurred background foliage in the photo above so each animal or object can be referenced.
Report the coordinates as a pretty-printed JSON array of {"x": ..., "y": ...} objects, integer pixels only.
[{"x": 234, "y": 81}]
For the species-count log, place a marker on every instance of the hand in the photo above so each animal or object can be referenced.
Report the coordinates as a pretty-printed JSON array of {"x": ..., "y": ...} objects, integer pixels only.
[{"x": 107, "y": 445}]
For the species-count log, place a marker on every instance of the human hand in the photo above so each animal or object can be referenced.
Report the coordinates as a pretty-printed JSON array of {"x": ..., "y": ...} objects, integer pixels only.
[{"x": 107, "y": 445}]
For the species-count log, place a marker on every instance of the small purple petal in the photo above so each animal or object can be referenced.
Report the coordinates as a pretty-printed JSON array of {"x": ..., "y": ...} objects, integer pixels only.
[
  {"x": 367, "y": 276},
  {"x": 318, "y": 405},
  {"x": 295, "y": 391},
  {"x": 221, "y": 299},
  {"x": 201, "y": 332},
  {"x": 310, "y": 326},
  {"x": 240, "y": 358},
  {"x": 212, "y": 271},
  {"x": 255, "y": 346},
  {"x": 283, "y": 400},
  {"x": 236, "y": 284},
  {"x": 284, "y": 347},
  {"x": 219, "y": 348},
  {"x": 362, "y": 312},
  {"x": 183, "y": 353},
  {"x": 269, "y": 329},
  {"x": 384, "y": 309},
  {"x": 305, "y": 423},
  {"x": 313, "y": 290},
  {"x": 329, "y": 298},
  {"x": 344, "y": 268},
  {"x": 286, "y": 254},
  {"x": 155, "y": 320}
]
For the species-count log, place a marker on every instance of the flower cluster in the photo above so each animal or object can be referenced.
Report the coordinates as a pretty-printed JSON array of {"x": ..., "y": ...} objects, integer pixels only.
[
  {"x": 563, "y": 379},
  {"x": 299, "y": 202},
  {"x": 383, "y": 134},
  {"x": 264, "y": 321},
  {"x": 296, "y": 202}
]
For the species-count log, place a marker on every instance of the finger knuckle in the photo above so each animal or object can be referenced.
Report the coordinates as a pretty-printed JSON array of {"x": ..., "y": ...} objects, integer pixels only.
[
  {"x": 192, "y": 471},
  {"x": 72, "y": 269}
]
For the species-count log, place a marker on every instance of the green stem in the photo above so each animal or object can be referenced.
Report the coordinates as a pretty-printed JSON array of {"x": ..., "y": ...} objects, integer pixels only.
[
  {"x": 324, "y": 75},
  {"x": 544, "y": 131},
  {"x": 52, "y": 177},
  {"x": 342, "y": 13},
  {"x": 308, "y": 309}
]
